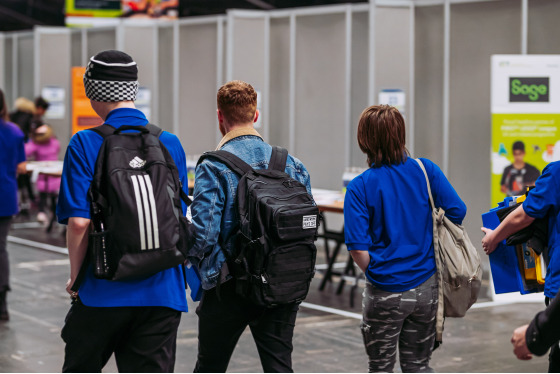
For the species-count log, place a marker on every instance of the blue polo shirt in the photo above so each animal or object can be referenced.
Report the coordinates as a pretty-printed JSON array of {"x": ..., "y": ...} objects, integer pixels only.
[
  {"x": 166, "y": 288},
  {"x": 387, "y": 213},
  {"x": 11, "y": 154},
  {"x": 544, "y": 201}
]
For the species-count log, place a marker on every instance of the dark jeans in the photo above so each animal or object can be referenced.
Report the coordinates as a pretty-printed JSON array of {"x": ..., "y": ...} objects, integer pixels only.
[
  {"x": 222, "y": 321},
  {"x": 142, "y": 338},
  {"x": 4, "y": 260}
]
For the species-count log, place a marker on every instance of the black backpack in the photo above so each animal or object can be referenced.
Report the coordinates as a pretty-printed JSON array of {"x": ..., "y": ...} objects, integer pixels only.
[
  {"x": 274, "y": 259},
  {"x": 136, "y": 198}
]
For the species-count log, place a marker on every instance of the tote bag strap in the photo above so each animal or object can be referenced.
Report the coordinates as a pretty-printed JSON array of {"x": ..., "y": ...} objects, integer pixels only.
[
  {"x": 441, "y": 308},
  {"x": 427, "y": 182}
]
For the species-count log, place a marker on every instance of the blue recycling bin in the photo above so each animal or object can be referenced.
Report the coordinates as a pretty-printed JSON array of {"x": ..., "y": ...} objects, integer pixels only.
[{"x": 503, "y": 261}]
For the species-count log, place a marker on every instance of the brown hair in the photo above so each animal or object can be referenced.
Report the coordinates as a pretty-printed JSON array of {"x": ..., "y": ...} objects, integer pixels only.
[
  {"x": 3, "y": 107},
  {"x": 237, "y": 101},
  {"x": 381, "y": 135}
]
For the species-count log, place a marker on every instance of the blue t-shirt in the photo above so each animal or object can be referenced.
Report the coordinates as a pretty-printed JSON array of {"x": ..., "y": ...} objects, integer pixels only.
[
  {"x": 11, "y": 154},
  {"x": 543, "y": 201},
  {"x": 387, "y": 213},
  {"x": 166, "y": 288}
]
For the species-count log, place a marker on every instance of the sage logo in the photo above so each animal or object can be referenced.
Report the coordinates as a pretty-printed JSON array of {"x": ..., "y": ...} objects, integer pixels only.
[{"x": 529, "y": 89}]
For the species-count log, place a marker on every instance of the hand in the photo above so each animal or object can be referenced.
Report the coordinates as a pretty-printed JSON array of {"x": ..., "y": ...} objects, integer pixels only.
[
  {"x": 520, "y": 348},
  {"x": 69, "y": 285},
  {"x": 488, "y": 242}
]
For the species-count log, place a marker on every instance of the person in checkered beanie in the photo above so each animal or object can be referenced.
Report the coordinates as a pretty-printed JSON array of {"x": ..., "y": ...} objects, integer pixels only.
[{"x": 137, "y": 320}]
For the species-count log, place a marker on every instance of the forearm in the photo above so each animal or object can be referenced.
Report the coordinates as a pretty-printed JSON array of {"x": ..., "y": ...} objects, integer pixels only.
[
  {"x": 514, "y": 222},
  {"x": 544, "y": 330},
  {"x": 361, "y": 258},
  {"x": 77, "y": 241}
]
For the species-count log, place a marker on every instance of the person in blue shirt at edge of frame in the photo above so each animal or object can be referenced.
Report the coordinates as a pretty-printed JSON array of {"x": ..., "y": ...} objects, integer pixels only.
[
  {"x": 12, "y": 163},
  {"x": 223, "y": 317},
  {"x": 542, "y": 201},
  {"x": 389, "y": 234},
  {"x": 137, "y": 320}
]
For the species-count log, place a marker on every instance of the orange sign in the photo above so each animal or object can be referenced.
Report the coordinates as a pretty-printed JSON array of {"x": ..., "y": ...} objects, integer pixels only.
[{"x": 83, "y": 116}]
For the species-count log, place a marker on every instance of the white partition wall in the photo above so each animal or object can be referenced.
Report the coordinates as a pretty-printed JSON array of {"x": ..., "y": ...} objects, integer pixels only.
[
  {"x": 2, "y": 62},
  {"x": 165, "y": 77},
  {"x": 200, "y": 72},
  {"x": 23, "y": 65},
  {"x": 543, "y": 27},
  {"x": 53, "y": 62},
  {"x": 141, "y": 41},
  {"x": 97, "y": 40},
  {"x": 247, "y": 51},
  {"x": 320, "y": 98}
]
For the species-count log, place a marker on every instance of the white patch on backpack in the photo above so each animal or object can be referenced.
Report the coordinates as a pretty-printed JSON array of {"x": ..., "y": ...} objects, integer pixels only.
[
  {"x": 137, "y": 162},
  {"x": 309, "y": 222}
]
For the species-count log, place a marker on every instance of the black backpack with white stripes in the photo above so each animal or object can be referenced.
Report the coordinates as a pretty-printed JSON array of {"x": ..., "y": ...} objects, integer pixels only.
[{"x": 136, "y": 194}]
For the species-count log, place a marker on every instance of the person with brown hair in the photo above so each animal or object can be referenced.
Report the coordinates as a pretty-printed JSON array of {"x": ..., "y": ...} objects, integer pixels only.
[
  {"x": 389, "y": 234},
  {"x": 12, "y": 160},
  {"x": 223, "y": 314}
]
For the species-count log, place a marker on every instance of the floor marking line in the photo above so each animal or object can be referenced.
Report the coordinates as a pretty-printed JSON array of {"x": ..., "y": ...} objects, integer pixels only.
[
  {"x": 31, "y": 243},
  {"x": 33, "y": 319}
]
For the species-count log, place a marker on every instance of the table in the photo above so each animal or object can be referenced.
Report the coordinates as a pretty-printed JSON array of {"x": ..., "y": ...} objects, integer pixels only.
[
  {"x": 333, "y": 202},
  {"x": 50, "y": 168}
]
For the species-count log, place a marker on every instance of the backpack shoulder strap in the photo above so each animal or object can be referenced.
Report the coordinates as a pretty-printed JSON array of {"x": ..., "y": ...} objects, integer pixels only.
[
  {"x": 236, "y": 164},
  {"x": 154, "y": 130},
  {"x": 103, "y": 130},
  {"x": 278, "y": 159}
]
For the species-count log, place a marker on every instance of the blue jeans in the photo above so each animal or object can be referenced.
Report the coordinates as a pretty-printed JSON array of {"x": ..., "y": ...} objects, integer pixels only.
[{"x": 404, "y": 319}]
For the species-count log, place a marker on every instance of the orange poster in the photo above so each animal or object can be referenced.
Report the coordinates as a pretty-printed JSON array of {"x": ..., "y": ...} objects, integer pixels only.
[{"x": 83, "y": 116}]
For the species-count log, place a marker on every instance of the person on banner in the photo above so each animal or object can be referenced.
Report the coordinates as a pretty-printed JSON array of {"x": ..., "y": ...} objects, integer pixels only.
[
  {"x": 543, "y": 201},
  {"x": 519, "y": 175},
  {"x": 224, "y": 314},
  {"x": 12, "y": 162},
  {"x": 135, "y": 319},
  {"x": 389, "y": 233}
]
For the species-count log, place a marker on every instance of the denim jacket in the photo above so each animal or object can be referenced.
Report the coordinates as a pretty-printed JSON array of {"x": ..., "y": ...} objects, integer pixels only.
[{"x": 214, "y": 212}]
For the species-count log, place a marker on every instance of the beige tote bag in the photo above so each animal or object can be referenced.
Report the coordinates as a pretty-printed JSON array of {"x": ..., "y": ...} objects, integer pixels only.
[{"x": 458, "y": 265}]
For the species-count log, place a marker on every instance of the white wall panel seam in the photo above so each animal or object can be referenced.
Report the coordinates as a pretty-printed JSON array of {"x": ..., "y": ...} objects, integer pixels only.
[
  {"x": 199, "y": 20},
  {"x": 266, "y": 94},
  {"x": 371, "y": 56},
  {"x": 155, "y": 86},
  {"x": 176, "y": 78},
  {"x": 3, "y": 63},
  {"x": 219, "y": 63},
  {"x": 120, "y": 36},
  {"x": 524, "y": 25},
  {"x": 37, "y": 60},
  {"x": 84, "y": 36},
  {"x": 348, "y": 88},
  {"x": 292, "y": 89},
  {"x": 15, "y": 66},
  {"x": 411, "y": 86},
  {"x": 446, "y": 63},
  {"x": 229, "y": 46}
]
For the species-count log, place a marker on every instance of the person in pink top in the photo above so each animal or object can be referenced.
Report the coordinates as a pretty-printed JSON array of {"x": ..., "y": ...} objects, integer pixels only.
[{"x": 44, "y": 146}]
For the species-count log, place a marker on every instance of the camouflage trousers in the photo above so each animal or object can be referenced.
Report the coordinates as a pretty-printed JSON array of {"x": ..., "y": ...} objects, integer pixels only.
[{"x": 404, "y": 318}]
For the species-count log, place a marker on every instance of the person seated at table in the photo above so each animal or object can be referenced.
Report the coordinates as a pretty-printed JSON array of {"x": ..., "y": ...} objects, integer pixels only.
[
  {"x": 388, "y": 231},
  {"x": 44, "y": 146}
]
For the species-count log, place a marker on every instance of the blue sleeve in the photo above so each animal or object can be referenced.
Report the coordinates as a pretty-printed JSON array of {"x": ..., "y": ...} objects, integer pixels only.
[
  {"x": 544, "y": 196},
  {"x": 206, "y": 209},
  {"x": 77, "y": 175},
  {"x": 356, "y": 216},
  {"x": 443, "y": 193}
]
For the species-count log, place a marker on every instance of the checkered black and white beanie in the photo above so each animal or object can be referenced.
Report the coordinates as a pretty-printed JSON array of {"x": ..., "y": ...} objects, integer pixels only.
[{"x": 111, "y": 76}]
